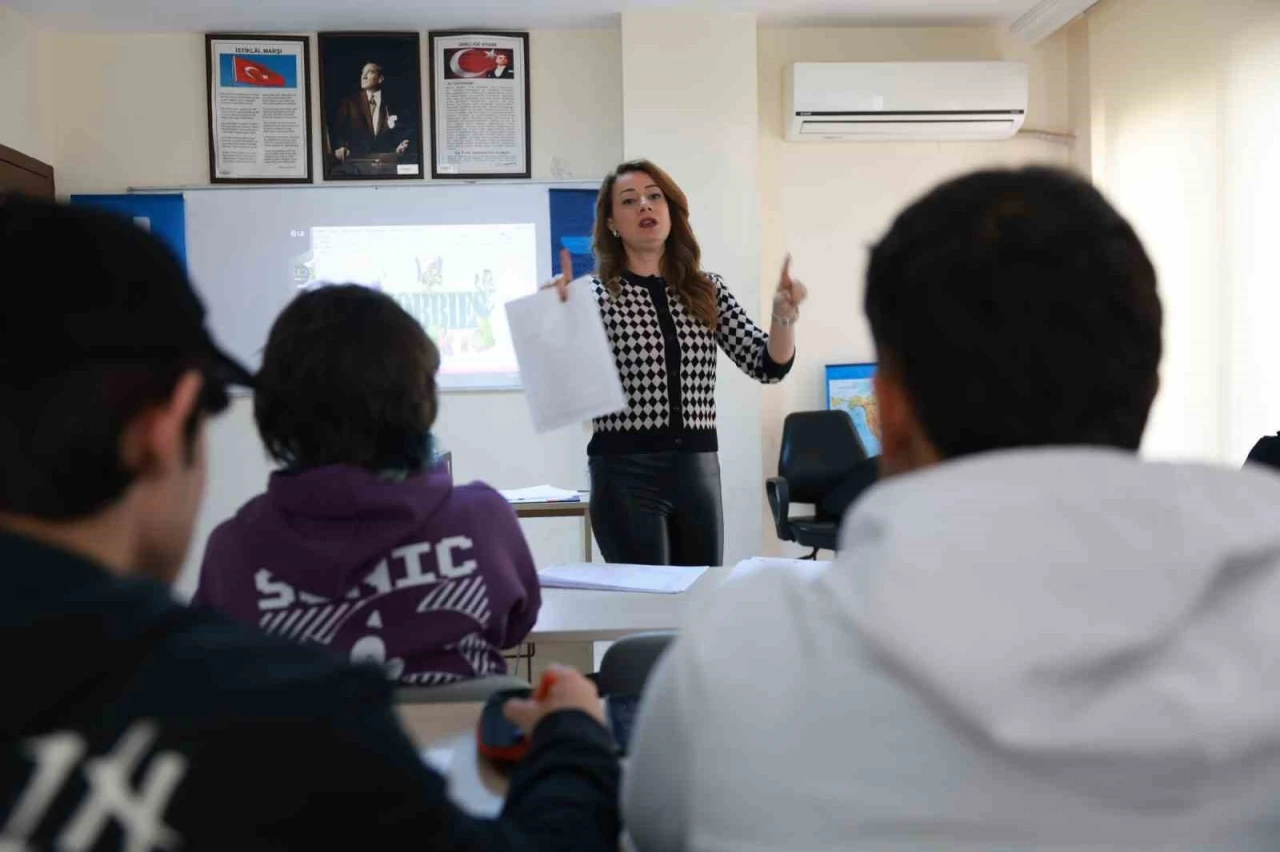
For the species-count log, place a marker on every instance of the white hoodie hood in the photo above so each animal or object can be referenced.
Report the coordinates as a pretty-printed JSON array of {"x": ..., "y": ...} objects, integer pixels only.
[{"x": 1111, "y": 622}]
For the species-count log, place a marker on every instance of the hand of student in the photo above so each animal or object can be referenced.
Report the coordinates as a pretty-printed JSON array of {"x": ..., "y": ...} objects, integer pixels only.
[
  {"x": 567, "y": 690},
  {"x": 340, "y": 154},
  {"x": 786, "y": 301},
  {"x": 402, "y": 147},
  {"x": 566, "y": 275}
]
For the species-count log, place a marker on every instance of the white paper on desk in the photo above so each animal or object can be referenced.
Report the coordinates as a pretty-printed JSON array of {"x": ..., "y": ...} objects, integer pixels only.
[
  {"x": 539, "y": 494},
  {"x": 805, "y": 569},
  {"x": 566, "y": 365},
  {"x": 656, "y": 579},
  {"x": 456, "y": 759}
]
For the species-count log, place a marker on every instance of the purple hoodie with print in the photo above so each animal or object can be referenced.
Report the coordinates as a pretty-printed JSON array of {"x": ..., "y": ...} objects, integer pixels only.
[{"x": 428, "y": 579}]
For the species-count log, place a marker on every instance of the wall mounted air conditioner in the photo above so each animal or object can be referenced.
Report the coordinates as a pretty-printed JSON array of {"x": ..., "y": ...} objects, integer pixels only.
[{"x": 886, "y": 101}]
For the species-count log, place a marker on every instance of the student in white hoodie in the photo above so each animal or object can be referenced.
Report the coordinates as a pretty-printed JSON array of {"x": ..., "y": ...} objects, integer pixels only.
[{"x": 1030, "y": 639}]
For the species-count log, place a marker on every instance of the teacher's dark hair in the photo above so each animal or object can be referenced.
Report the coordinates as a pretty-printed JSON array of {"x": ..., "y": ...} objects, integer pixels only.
[
  {"x": 348, "y": 377},
  {"x": 1018, "y": 309},
  {"x": 681, "y": 257}
]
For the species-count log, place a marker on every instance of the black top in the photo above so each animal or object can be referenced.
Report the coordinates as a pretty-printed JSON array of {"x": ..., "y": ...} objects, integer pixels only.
[
  {"x": 666, "y": 360},
  {"x": 130, "y": 721},
  {"x": 1266, "y": 451}
]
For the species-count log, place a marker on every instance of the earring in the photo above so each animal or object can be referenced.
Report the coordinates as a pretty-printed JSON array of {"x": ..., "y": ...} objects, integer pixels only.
[{"x": 615, "y": 233}]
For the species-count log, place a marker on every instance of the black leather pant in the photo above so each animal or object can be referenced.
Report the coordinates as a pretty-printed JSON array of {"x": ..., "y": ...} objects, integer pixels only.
[{"x": 658, "y": 508}]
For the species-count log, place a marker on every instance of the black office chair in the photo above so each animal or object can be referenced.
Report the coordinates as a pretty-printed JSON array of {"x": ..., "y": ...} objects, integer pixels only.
[
  {"x": 819, "y": 450},
  {"x": 623, "y": 673}
]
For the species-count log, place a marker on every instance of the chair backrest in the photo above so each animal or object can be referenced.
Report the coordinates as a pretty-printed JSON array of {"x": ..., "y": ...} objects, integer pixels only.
[
  {"x": 461, "y": 692},
  {"x": 628, "y": 662},
  {"x": 819, "y": 449}
]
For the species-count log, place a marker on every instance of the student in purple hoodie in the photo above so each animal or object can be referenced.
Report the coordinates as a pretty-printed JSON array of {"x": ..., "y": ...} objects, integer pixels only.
[{"x": 359, "y": 543}]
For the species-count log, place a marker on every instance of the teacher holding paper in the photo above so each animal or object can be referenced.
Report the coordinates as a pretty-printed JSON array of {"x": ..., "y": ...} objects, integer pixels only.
[{"x": 655, "y": 475}]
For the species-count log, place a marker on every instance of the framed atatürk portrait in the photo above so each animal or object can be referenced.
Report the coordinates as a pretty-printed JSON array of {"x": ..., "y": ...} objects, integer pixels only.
[{"x": 371, "y": 106}]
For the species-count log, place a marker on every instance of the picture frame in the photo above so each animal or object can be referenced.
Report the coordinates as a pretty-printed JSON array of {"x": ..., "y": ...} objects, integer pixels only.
[
  {"x": 851, "y": 388},
  {"x": 480, "y": 111},
  {"x": 258, "y": 90},
  {"x": 371, "y": 105}
]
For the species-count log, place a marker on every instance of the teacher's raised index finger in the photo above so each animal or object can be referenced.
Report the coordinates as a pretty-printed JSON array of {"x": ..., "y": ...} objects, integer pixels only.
[
  {"x": 566, "y": 265},
  {"x": 786, "y": 268}
]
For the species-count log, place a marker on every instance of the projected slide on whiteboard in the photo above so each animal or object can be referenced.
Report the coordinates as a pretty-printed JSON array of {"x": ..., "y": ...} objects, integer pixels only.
[
  {"x": 452, "y": 254},
  {"x": 454, "y": 279}
]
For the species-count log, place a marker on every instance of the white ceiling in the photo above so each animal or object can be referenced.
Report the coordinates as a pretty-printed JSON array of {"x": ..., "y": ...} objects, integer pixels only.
[{"x": 308, "y": 15}]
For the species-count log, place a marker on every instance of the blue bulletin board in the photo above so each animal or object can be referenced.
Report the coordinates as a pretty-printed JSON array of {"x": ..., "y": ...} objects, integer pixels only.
[
  {"x": 573, "y": 216},
  {"x": 165, "y": 215}
]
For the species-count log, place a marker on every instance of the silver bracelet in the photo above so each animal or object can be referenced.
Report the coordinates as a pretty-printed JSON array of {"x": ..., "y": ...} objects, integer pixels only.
[{"x": 786, "y": 323}]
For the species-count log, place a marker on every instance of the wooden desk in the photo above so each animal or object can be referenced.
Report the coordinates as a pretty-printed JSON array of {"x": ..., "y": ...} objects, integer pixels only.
[
  {"x": 562, "y": 509},
  {"x": 429, "y": 724},
  {"x": 446, "y": 732}
]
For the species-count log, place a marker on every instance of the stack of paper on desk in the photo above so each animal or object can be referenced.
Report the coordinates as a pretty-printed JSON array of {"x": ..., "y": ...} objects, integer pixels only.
[
  {"x": 540, "y": 494},
  {"x": 656, "y": 579},
  {"x": 805, "y": 569}
]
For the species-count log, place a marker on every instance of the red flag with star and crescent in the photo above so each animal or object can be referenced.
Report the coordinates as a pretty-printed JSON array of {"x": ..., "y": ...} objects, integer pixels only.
[{"x": 256, "y": 74}]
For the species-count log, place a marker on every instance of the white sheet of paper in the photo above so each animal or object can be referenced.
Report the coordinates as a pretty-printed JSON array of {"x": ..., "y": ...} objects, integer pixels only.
[
  {"x": 566, "y": 365},
  {"x": 539, "y": 494},
  {"x": 456, "y": 759},
  {"x": 656, "y": 579},
  {"x": 805, "y": 569}
]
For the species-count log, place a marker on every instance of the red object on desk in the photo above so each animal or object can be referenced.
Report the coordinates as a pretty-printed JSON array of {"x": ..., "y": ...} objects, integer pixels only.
[{"x": 497, "y": 739}]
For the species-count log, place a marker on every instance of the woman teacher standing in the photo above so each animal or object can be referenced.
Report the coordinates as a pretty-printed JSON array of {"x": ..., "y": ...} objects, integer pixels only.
[{"x": 655, "y": 475}]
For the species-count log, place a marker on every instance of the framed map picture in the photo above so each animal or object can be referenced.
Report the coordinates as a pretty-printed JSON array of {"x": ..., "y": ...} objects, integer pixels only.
[{"x": 851, "y": 389}]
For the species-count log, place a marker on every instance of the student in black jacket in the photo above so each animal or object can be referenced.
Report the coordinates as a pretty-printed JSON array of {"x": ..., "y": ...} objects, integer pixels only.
[{"x": 131, "y": 722}]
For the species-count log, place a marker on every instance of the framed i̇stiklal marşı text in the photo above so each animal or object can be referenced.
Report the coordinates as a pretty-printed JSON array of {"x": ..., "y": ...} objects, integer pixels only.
[{"x": 259, "y": 108}]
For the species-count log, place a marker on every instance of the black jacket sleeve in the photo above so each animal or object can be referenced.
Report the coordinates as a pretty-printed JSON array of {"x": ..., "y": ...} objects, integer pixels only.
[
  {"x": 565, "y": 795},
  {"x": 379, "y": 794}
]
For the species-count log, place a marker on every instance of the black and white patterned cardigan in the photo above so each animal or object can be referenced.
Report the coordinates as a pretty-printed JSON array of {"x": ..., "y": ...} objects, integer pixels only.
[{"x": 667, "y": 361}]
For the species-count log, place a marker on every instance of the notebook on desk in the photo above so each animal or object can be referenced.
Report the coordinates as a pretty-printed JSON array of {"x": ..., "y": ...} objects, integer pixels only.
[
  {"x": 540, "y": 494},
  {"x": 653, "y": 579}
]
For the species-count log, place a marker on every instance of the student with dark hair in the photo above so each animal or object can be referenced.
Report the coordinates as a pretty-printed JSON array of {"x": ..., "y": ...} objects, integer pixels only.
[
  {"x": 1266, "y": 452},
  {"x": 360, "y": 543},
  {"x": 1031, "y": 639},
  {"x": 132, "y": 722}
]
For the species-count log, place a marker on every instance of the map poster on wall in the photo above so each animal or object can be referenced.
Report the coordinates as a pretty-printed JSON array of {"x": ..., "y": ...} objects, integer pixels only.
[
  {"x": 480, "y": 105},
  {"x": 851, "y": 389},
  {"x": 259, "y": 109}
]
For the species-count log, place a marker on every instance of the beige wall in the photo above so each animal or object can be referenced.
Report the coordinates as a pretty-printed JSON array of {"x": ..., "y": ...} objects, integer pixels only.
[
  {"x": 825, "y": 202},
  {"x": 703, "y": 129},
  {"x": 114, "y": 134},
  {"x": 26, "y": 101},
  {"x": 1185, "y": 117}
]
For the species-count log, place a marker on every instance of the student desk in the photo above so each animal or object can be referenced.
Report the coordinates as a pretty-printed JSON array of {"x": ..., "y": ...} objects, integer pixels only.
[
  {"x": 572, "y": 620},
  {"x": 571, "y": 616},
  {"x": 562, "y": 509},
  {"x": 446, "y": 733},
  {"x": 579, "y": 615}
]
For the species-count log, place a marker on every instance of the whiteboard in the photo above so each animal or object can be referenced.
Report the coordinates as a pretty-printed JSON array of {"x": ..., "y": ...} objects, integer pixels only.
[{"x": 251, "y": 250}]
